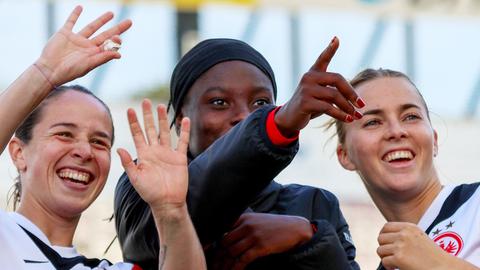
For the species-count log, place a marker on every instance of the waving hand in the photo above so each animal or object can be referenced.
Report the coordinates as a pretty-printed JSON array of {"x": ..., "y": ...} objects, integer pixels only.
[
  {"x": 69, "y": 55},
  {"x": 160, "y": 174}
]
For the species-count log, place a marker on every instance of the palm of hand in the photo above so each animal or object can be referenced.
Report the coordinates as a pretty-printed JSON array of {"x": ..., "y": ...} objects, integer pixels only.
[
  {"x": 76, "y": 57},
  {"x": 161, "y": 172}
]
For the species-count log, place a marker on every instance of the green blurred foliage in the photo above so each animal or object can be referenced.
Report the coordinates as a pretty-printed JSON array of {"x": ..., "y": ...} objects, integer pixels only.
[{"x": 157, "y": 93}]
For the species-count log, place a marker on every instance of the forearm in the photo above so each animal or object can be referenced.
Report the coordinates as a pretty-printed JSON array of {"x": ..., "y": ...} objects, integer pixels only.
[
  {"x": 19, "y": 99},
  {"x": 452, "y": 262},
  {"x": 179, "y": 244}
]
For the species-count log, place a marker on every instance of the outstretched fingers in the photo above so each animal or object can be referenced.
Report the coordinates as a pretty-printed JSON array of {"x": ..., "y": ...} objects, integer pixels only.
[
  {"x": 182, "y": 145},
  {"x": 127, "y": 162},
  {"x": 93, "y": 27},
  {"x": 72, "y": 19},
  {"x": 135, "y": 129},
  {"x": 115, "y": 30},
  {"x": 149, "y": 122},
  {"x": 322, "y": 62},
  {"x": 164, "y": 135}
]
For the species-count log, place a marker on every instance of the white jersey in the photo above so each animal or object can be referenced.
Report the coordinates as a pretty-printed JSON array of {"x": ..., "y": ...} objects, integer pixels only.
[
  {"x": 453, "y": 221},
  {"x": 19, "y": 251}
]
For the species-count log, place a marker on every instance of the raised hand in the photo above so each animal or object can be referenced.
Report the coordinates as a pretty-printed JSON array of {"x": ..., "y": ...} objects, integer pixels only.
[
  {"x": 160, "y": 174},
  {"x": 319, "y": 92},
  {"x": 256, "y": 235},
  {"x": 69, "y": 55}
]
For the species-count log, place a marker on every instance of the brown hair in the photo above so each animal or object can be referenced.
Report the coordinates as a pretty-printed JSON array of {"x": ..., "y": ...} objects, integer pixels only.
[
  {"x": 25, "y": 129},
  {"x": 364, "y": 76}
]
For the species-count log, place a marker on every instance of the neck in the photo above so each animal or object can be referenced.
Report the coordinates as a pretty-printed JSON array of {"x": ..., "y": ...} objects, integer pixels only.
[
  {"x": 407, "y": 209},
  {"x": 58, "y": 229}
]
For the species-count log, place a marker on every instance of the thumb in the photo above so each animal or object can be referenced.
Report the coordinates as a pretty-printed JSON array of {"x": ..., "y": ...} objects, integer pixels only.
[{"x": 127, "y": 162}]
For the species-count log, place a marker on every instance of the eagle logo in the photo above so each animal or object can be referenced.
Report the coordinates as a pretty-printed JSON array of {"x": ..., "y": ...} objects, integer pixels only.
[{"x": 450, "y": 242}]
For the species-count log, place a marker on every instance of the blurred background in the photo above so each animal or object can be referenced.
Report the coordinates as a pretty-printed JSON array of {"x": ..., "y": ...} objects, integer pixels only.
[{"x": 436, "y": 42}]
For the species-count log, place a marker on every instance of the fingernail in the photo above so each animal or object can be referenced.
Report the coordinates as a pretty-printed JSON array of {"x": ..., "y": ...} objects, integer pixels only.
[
  {"x": 357, "y": 115},
  {"x": 348, "y": 118},
  {"x": 333, "y": 40},
  {"x": 360, "y": 102}
]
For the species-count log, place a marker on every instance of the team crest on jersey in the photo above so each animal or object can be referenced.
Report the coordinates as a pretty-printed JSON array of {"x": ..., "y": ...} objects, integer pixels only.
[{"x": 450, "y": 242}]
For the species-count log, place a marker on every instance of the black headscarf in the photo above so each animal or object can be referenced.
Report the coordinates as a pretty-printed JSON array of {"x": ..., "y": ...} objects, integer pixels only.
[{"x": 205, "y": 55}]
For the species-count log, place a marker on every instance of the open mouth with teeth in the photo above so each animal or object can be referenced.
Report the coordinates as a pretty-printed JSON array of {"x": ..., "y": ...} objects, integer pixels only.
[
  {"x": 75, "y": 176},
  {"x": 398, "y": 156}
]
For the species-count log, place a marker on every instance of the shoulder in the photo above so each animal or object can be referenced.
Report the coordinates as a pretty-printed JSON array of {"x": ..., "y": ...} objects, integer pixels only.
[{"x": 318, "y": 194}]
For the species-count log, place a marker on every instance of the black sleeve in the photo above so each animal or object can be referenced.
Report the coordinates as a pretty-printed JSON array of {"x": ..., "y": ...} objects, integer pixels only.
[
  {"x": 331, "y": 247},
  {"x": 223, "y": 181},
  {"x": 228, "y": 176}
]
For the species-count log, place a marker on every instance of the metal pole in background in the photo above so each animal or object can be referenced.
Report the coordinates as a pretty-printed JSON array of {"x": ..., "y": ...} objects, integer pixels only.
[
  {"x": 294, "y": 49},
  {"x": 50, "y": 13},
  {"x": 100, "y": 72},
  {"x": 187, "y": 30},
  {"x": 410, "y": 48},
  {"x": 473, "y": 101},
  {"x": 373, "y": 44}
]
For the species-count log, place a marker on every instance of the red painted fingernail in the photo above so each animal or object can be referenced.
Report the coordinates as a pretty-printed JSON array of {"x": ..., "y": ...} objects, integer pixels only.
[
  {"x": 357, "y": 115},
  {"x": 348, "y": 118},
  {"x": 360, "y": 102}
]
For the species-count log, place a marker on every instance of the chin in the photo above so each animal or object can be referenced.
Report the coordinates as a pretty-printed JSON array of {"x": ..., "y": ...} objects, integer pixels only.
[
  {"x": 72, "y": 208},
  {"x": 402, "y": 187}
]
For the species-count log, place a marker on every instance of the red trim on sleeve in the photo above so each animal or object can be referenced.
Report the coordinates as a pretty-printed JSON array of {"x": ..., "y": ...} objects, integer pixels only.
[
  {"x": 314, "y": 228},
  {"x": 274, "y": 134},
  {"x": 136, "y": 267}
]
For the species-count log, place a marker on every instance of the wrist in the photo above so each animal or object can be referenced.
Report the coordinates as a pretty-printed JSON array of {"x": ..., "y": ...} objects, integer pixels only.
[
  {"x": 169, "y": 212},
  {"x": 306, "y": 230},
  {"x": 275, "y": 134},
  {"x": 45, "y": 72},
  {"x": 280, "y": 121}
]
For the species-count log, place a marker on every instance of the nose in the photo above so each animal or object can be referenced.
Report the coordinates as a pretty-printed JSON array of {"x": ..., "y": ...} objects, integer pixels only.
[
  {"x": 395, "y": 131},
  {"x": 82, "y": 150},
  {"x": 240, "y": 112}
]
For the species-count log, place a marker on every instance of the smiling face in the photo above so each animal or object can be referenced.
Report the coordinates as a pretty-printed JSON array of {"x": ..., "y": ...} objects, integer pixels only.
[
  {"x": 222, "y": 97},
  {"x": 393, "y": 145},
  {"x": 65, "y": 164}
]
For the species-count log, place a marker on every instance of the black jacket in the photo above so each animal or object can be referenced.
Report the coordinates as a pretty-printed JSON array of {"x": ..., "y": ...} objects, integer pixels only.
[
  {"x": 331, "y": 246},
  {"x": 223, "y": 181}
]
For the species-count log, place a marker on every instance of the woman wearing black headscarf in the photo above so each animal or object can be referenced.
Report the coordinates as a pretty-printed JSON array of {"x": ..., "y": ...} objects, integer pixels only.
[{"x": 239, "y": 143}]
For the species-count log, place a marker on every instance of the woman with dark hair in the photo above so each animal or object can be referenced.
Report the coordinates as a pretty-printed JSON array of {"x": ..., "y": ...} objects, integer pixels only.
[
  {"x": 239, "y": 142},
  {"x": 62, "y": 147},
  {"x": 392, "y": 148}
]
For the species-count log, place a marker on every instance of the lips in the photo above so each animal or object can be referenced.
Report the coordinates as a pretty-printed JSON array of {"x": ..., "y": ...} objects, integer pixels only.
[
  {"x": 75, "y": 175},
  {"x": 398, "y": 155}
]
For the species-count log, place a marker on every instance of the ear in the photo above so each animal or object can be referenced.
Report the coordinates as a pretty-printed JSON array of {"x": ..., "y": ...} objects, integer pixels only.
[
  {"x": 435, "y": 143},
  {"x": 16, "y": 147},
  {"x": 343, "y": 158}
]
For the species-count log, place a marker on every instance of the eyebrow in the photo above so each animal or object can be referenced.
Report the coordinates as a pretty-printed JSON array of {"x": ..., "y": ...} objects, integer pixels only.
[
  {"x": 257, "y": 90},
  {"x": 403, "y": 107},
  {"x": 71, "y": 125}
]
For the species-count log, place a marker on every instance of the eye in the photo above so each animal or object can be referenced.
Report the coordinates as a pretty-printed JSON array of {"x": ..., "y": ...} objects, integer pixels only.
[
  {"x": 100, "y": 142},
  {"x": 261, "y": 102},
  {"x": 412, "y": 117},
  {"x": 372, "y": 123},
  {"x": 219, "y": 102},
  {"x": 64, "y": 134}
]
